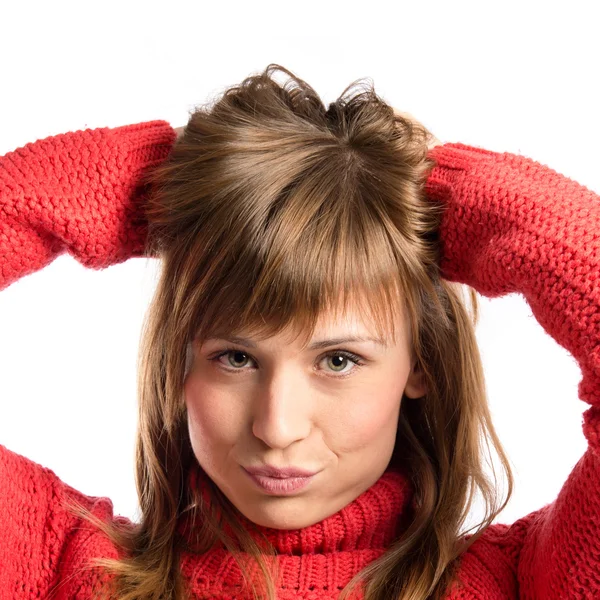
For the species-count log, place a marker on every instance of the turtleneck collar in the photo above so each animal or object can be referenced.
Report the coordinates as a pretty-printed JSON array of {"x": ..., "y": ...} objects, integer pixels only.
[{"x": 371, "y": 521}]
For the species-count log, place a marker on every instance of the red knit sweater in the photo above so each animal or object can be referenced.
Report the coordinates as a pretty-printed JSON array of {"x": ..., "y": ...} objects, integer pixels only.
[{"x": 511, "y": 225}]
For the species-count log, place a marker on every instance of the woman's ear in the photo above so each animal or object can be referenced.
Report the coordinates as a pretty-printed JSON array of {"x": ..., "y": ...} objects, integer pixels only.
[{"x": 415, "y": 385}]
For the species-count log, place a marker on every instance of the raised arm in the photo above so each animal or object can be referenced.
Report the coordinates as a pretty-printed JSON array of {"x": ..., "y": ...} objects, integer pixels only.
[
  {"x": 75, "y": 192},
  {"x": 79, "y": 193},
  {"x": 512, "y": 224}
]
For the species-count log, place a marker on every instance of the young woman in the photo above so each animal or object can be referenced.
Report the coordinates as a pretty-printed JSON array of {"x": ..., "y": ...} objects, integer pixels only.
[{"x": 312, "y": 400}]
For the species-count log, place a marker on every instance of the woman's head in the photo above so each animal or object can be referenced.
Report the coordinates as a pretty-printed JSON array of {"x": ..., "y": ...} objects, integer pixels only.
[
  {"x": 282, "y": 214},
  {"x": 285, "y": 222}
]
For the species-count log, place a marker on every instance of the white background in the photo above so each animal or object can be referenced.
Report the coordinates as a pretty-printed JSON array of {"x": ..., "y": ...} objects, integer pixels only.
[{"x": 518, "y": 77}]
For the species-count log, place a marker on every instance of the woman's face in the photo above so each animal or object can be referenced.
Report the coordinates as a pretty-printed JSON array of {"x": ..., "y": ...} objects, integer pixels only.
[{"x": 276, "y": 403}]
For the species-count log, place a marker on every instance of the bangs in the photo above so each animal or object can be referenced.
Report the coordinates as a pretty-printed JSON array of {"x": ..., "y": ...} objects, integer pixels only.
[
  {"x": 321, "y": 249},
  {"x": 271, "y": 215}
]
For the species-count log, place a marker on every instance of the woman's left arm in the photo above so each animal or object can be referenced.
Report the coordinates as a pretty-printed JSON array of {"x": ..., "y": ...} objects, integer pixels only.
[{"x": 512, "y": 224}]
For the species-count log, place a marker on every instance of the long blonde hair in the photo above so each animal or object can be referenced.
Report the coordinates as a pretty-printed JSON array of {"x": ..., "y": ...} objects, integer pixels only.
[{"x": 261, "y": 176}]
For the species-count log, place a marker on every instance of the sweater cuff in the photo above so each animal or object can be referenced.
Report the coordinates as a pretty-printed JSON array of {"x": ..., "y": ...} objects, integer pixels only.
[
  {"x": 151, "y": 141},
  {"x": 456, "y": 155}
]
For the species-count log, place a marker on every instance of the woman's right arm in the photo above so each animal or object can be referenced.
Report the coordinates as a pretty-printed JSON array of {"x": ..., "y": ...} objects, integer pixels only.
[{"x": 77, "y": 192}]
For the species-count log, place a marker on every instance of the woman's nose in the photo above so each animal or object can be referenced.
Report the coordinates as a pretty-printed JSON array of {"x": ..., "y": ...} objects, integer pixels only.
[{"x": 282, "y": 412}]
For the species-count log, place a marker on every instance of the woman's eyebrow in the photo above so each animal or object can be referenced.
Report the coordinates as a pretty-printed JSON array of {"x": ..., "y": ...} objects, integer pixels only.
[{"x": 314, "y": 346}]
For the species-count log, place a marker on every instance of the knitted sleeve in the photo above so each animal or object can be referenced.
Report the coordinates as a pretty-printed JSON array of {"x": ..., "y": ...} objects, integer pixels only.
[
  {"x": 43, "y": 546},
  {"x": 512, "y": 224},
  {"x": 77, "y": 192}
]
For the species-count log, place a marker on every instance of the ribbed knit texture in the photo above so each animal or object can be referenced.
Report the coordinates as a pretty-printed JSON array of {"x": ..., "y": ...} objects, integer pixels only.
[{"x": 510, "y": 225}]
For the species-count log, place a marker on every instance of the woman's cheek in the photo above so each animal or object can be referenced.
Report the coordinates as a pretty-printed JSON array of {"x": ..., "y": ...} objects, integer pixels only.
[
  {"x": 364, "y": 423},
  {"x": 213, "y": 417}
]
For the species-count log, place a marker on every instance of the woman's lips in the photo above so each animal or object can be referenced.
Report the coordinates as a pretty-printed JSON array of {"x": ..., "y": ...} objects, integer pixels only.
[
  {"x": 279, "y": 472},
  {"x": 280, "y": 486}
]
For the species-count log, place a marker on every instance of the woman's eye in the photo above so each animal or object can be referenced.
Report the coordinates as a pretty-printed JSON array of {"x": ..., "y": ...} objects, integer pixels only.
[
  {"x": 235, "y": 357},
  {"x": 336, "y": 362}
]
